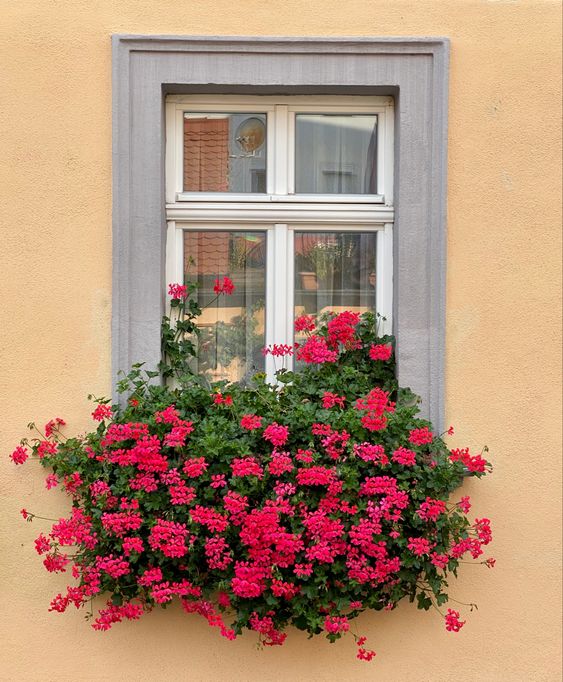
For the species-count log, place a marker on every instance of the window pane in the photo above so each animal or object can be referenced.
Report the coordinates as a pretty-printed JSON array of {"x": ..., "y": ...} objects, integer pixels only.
[
  {"x": 224, "y": 152},
  {"x": 335, "y": 154},
  {"x": 334, "y": 271},
  {"x": 232, "y": 327}
]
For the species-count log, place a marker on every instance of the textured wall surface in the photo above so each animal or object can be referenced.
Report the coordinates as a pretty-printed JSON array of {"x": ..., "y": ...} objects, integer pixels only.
[{"x": 503, "y": 328}]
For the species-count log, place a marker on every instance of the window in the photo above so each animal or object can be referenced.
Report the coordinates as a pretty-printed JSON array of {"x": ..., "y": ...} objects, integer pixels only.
[
  {"x": 413, "y": 70},
  {"x": 289, "y": 196}
]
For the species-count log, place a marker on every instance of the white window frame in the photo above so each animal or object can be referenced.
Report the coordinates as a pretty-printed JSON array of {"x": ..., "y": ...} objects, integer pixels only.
[{"x": 280, "y": 212}]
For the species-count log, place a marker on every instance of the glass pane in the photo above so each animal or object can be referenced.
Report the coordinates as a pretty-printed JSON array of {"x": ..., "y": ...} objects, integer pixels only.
[
  {"x": 224, "y": 152},
  {"x": 232, "y": 327},
  {"x": 335, "y": 154},
  {"x": 334, "y": 271}
]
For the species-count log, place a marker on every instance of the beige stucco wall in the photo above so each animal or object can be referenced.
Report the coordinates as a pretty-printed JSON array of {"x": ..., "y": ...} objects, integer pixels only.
[{"x": 503, "y": 327}]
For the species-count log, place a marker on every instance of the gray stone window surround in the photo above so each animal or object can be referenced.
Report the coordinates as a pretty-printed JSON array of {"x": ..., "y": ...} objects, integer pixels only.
[{"x": 414, "y": 70}]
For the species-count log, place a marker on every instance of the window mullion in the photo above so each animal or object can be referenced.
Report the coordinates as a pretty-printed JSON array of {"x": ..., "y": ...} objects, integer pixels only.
[
  {"x": 270, "y": 303},
  {"x": 281, "y": 146},
  {"x": 290, "y": 303},
  {"x": 279, "y": 292},
  {"x": 282, "y": 296}
]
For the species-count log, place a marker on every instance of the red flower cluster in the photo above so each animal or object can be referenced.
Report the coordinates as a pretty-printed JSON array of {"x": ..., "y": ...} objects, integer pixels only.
[
  {"x": 342, "y": 330},
  {"x": 404, "y": 456},
  {"x": 19, "y": 455},
  {"x": 331, "y": 399},
  {"x": 336, "y": 624},
  {"x": 305, "y": 323},
  {"x": 431, "y": 509},
  {"x": 364, "y": 654},
  {"x": 169, "y": 538},
  {"x": 419, "y": 546},
  {"x": 421, "y": 436},
  {"x": 265, "y": 626},
  {"x": 115, "y": 614},
  {"x": 53, "y": 426},
  {"x": 376, "y": 403},
  {"x": 303, "y": 504},
  {"x": 276, "y": 434},
  {"x": 250, "y": 422},
  {"x": 316, "y": 351},
  {"x": 178, "y": 291},
  {"x": 224, "y": 286},
  {"x": 381, "y": 351},
  {"x": 220, "y": 399},
  {"x": 102, "y": 412},
  {"x": 453, "y": 623},
  {"x": 474, "y": 463},
  {"x": 278, "y": 350}
]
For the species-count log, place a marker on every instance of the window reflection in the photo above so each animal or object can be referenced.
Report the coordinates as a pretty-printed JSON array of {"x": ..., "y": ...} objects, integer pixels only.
[
  {"x": 335, "y": 154},
  {"x": 334, "y": 271},
  {"x": 224, "y": 152},
  {"x": 232, "y": 327}
]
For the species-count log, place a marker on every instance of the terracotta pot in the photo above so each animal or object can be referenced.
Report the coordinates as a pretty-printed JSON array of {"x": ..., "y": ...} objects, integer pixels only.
[{"x": 309, "y": 281}]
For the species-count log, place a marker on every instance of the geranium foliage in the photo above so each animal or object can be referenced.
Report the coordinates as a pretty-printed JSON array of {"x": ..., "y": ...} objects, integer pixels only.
[{"x": 261, "y": 506}]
